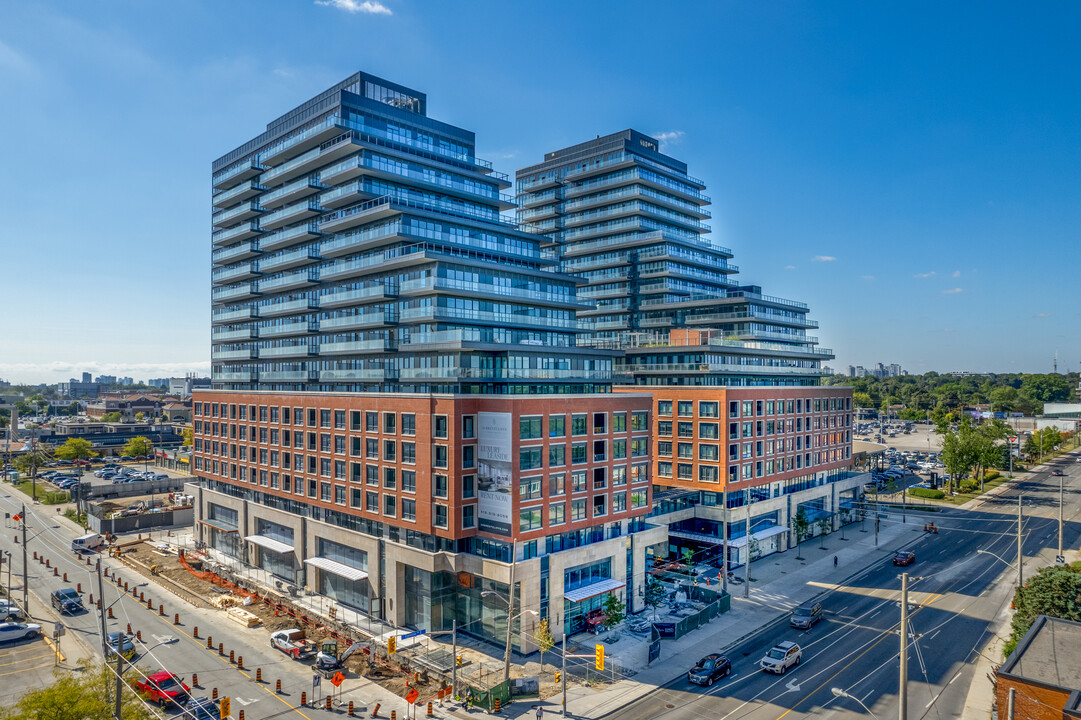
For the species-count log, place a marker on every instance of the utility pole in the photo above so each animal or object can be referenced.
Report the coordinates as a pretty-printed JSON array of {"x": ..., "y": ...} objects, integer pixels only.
[
  {"x": 1020, "y": 557},
  {"x": 563, "y": 674},
  {"x": 510, "y": 619},
  {"x": 724, "y": 543},
  {"x": 1010, "y": 704},
  {"x": 876, "y": 518},
  {"x": 1061, "y": 478},
  {"x": 747, "y": 565},
  {"x": 101, "y": 598},
  {"x": 902, "y": 693},
  {"x": 26, "y": 581},
  {"x": 119, "y": 671},
  {"x": 454, "y": 651}
]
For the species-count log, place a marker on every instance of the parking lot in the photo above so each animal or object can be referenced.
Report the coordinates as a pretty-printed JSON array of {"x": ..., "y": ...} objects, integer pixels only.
[{"x": 24, "y": 665}]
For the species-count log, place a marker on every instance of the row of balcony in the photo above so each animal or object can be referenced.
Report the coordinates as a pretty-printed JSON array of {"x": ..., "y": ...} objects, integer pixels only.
[{"x": 437, "y": 373}]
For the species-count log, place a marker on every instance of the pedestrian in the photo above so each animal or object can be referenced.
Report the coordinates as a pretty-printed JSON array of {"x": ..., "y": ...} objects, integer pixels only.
[
  {"x": 834, "y": 561},
  {"x": 540, "y": 712}
]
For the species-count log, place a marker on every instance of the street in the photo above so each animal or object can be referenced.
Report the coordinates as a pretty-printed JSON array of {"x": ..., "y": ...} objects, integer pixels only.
[{"x": 955, "y": 594}]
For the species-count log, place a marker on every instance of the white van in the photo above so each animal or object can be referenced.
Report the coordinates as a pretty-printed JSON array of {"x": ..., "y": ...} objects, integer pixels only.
[{"x": 90, "y": 541}]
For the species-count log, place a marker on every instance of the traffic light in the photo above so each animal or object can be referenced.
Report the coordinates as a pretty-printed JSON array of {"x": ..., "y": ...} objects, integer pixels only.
[
  {"x": 559, "y": 676},
  {"x": 598, "y": 657},
  {"x": 392, "y": 645},
  {"x": 458, "y": 660}
]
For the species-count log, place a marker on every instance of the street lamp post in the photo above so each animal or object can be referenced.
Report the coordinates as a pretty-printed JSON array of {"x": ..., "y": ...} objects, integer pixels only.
[
  {"x": 510, "y": 622},
  {"x": 838, "y": 692}
]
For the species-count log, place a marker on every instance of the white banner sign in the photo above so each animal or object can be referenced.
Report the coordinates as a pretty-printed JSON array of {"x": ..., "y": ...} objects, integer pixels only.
[{"x": 495, "y": 477}]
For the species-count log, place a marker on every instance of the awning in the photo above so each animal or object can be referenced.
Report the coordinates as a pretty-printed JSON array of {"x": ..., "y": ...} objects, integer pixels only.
[
  {"x": 699, "y": 537},
  {"x": 270, "y": 544},
  {"x": 594, "y": 589},
  {"x": 758, "y": 535},
  {"x": 219, "y": 525},
  {"x": 337, "y": 568}
]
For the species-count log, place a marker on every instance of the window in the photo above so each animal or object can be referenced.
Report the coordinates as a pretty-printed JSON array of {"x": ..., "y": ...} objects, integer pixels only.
[
  {"x": 600, "y": 505},
  {"x": 469, "y": 427},
  {"x": 409, "y": 426},
  {"x": 324, "y": 492},
  {"x": 324, "y": 418},
  {"x": 339, "y": 494},
  {"x": 440, "y": 486},
  {"x": 441, "y": 515},
  {"x": 664, "y": 469},
  {"x": 529, "y": 458},
  {"x": 708, "y": 409},
  {"x": 578, "y": 453},
  {"x": 440, "y": 428},
  {"x": 529, "y": 519},
  {"x": 469, "y": 456},
  {"x": 409, "y": 452},
  {"x": 371, "y": 502},
  {"x": 708, "y": 452},
  {"x": 557, "y": 426},
  {"x": 664, "y": 407},
  {"x": 600, "y": 423},
  {"x": 600, "y": 478},
  {"x": 686, "y": 430},
  {"x": 440, "y": 459},
  {"x": 619, "y": 449},
  {"x": 339, "y": 469},
  {"x": 390, "y": 450},
  {"x": 578, "y": 425},
  {"x": 390, "y": 505},
  {"x": 685, "y": 450},
  {"x": 339, "y": 419},
  {"x": 556, "y": 484},
  {"x": 469, "y": 486},
  {"x": 274, "y": 414},
  {"x": 371, "y": 475},
  {"x": 354, "y": 498},
  {"x": 619, "y": 502},
  {"x": 409, "y": 480},
  {"x": 664, "y": 448},
  {"x": 708, "y": 473},
  {"x": 639, "y": 498},
  {"x": 556, "y": 514},
  {"x": 324, "y": 467},
  {"x": 529, "y": 428},
  {"x": 639, "y": 447},
  {"x": 578, "y": 510},
  {"x": 390, "y": 423},
  {"x": 619, "y": 422},
  {"x": 390, "y": 478},
  {"x": 371, "y": 448},
  {"x": 619, "y": 475},
  {"x": 469, "y": 516},
  {"x": 708, "y": 431},
  {"x": 354, "y": 420},
  {"x": 339, "y": 444},
  {"x": 409, "y": 509},
  {"x": 684, "y": 471},
  {"x": 600, "y": 450},
  {"x": 578, "y": 481},
  {"x": 311, "y": 417},
  {"x": 639, "y": 421},
  {"x": 686, "y": 408},
  {"x": 371, "y": 422},
  {"x": 529, "y": 488},
  {"x": 557, "y": 455},
  {"x": 664, "y": 428}
]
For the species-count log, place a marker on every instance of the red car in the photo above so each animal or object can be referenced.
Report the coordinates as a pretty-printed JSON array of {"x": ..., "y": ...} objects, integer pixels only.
[
  {"x": 164, "y": 688},
  {"x": 903, "y": 559}
]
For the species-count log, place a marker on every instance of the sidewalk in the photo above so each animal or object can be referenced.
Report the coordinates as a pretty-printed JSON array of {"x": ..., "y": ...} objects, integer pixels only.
[{"x": 780, "y": 582}]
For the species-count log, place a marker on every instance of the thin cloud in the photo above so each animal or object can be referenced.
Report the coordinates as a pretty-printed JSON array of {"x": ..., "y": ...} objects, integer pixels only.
[
  {"x": 868, "y": 278},
  {"x": 920, "y": 276},
  {"x": 789, "y": 267},
  {"x": 957, "y": 273},
  {"x": 672, "y": 137},
  {"x": 368, "y": 7},
  {"x": 952, "y": 291},
  {"x": 1042, "y": 315},
  {"x": 823, "y": 258}
]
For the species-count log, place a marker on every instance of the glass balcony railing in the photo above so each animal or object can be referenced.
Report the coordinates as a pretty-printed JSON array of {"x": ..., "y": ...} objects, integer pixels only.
[
  {"x": 360, "y": 320},
  {"x": 246, "y": 333},
  {"x": 288, "y": 308},
  {"x": 357, "y": 346},
  {"x": 242, "y": 354},
  {"x": 290, "y": 213},
  {"x": 286, "y": 351},
  {"x": 444, "y": 373},
  {"x": 442, "y": 313},
  {"x": 297, "y": 188},
  {"x": 287, "y": 375},
  {"x": 223, "y": 255},
  {"x": 303, "y": 256},
  {"x": 235, "y": 376},
  {"x": 710, "y": 367},
  {"x": 225, "y": 274},
  {"x": 238, "y": 193},
  {"x": 298, "y": 327},
  {"x": 358, "y": 374},
  {"x": 240, "y": 232},
  {"x": 225, "y": 316},
  {"x": 242, "y": 211},
  {"x": 430, "y": 284},
  {"x": 344, "y": 297},
  {"x": 242, "y": 170},
  {"x": 447, "y": 207},
  {"x": 286, "y": 236},
  {"x": 221, "y": 294},
  {"x": 289, "y": 280}
]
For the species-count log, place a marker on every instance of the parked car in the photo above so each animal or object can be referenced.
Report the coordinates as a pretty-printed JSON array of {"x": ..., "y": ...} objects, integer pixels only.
[
  {"x": 9, "y": 611},
  {"x": 904, "y": 558},
  {"x": 128, "y": 648},
  {"x": 806, "y": 615},
  {"x": 781, "y": 657},
  {"x": 66, "y": 601},
  {"x": 708, "y": 669},
  {"x": 18, "y": 631},
  {"x": 126, "y": 458},
  {"x": 164, "y": 688},
  {"x": 202, "y": 709}
]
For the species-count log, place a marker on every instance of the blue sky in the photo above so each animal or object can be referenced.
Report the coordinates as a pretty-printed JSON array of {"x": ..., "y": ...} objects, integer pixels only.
[{"x": 910, "y": 171}]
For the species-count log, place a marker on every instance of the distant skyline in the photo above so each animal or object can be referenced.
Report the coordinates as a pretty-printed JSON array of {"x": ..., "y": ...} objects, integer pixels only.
[{"x": 911, "y": 172}]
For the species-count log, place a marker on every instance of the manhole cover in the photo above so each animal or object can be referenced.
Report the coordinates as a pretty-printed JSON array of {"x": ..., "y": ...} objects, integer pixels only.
[{"x": 669, "y": 706}]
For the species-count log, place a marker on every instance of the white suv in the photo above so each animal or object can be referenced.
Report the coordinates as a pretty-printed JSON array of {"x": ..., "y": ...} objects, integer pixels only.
[
  {"x": 18, "y": 631},
  {"x": 781, "y": 657}
]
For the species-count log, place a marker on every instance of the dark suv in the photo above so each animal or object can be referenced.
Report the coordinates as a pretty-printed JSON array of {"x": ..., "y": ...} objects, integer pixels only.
[
  {"x": 709, "y": 669},
  {"x": 806, "y": 615},
  {"x": 67, "y": 601}
]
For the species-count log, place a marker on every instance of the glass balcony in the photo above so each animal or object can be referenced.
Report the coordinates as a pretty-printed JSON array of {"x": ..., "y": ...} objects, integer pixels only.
[
  {"x": 221, "y": 335},
  {"x": 723, "y": 368},
  {"x": 286, "y": 351},
  {"x": 351, "y": 242},
  {"x": 287, "y": 375},
  {"x": 292, "y": 146},
  {"x": 444, "y": 336},
  {"x": 435, "y": 314},
  {"x": 289, "y": 236},
  {"x": 362, "y": 374},
  {"x": 356, "y": 322},
  {"x": 244, "y": 250},
  {"x": 290, "y": 307},
  {"x": 296, "y": 258},
  {"x": 243, "y": 354},
  {"x": 244, "y": 170},
  {"x": 237, "y": 194},
  {"x": 388, "y": 205},
  {"x": 290, "y": 214},
  {"x": 235, "y": 272},
  {"x": 233, "y": 292},
  {"x": 548, "y": 180},
  {"x": 297, "y": 327},
  {"x": 235, "y": 376},
  {"x": 240, "y": 232},
  {"x": 328, "y": 151},
  {"x": 357, "y": 346},
  {"x": 430, "y": 284},
  {"x": 227, "y": 316},
  {"x": 289, "y": 281},
  {"x": 358, "y": 296},
  {"x": 539, "y": 374},
  {"x": 292, "y": 192},
  {"x": 244, "y": 211}
]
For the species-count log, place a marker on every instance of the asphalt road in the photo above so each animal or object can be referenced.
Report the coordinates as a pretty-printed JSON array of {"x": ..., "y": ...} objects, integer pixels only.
[
  {"x": 955, "y": 595},
  {"x": 164, "y": 645}
]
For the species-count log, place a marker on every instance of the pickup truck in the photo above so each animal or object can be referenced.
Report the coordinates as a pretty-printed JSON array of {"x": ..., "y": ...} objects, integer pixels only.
[
  {"x": 164, "y": 688},
  {"x": 292, "y": 643}
]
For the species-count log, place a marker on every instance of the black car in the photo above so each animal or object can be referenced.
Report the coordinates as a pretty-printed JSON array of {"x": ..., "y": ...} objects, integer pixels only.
[
  {"x": 709, "y": 669},
  {"x": 904, "y": 558},
  {"x": 67, "y": 601}
]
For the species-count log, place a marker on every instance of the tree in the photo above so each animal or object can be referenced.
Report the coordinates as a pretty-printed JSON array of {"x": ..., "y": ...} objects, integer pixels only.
[
  {"x": 111, "y": 417},
  {"x": 688, "y": 557},
  {"x": 139, "y": 416},
  {"x": 801, "y": 526},
  {"x": 29, "y": 462},
  {"x": 614, "y": 610},
  {"x": 75, "y": 449},
  {"x": 543, "y": 638},
  {"x": 189, "y": 436},
  {"x": 84, "y": 696},
  {"x": 862, "y": 400},
  {"x": 1046, "y": 388},
  {"x": 655, "y": 594},
  {"x": 138, "y": 446},
  {"x": 754, "y": 549},
  {"x": 824, "y": 528},
  {"x": 1053, "y": 591}
]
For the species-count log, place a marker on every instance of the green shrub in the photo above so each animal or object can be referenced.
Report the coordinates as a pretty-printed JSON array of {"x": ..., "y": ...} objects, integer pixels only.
[
  {"x": 991, "y": 475},
  {"x": 926, "y": 493},
  {"x": 968, "y": 486}
]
